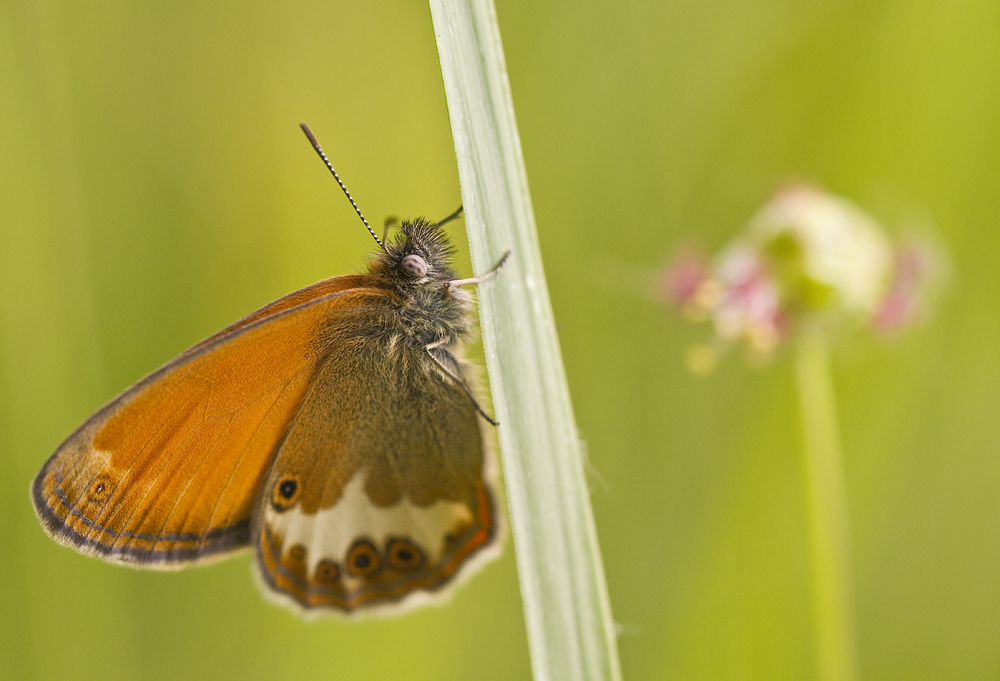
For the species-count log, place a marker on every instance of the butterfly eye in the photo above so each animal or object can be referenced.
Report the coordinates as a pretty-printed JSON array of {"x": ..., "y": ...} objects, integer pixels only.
[
  {"x": 404, "y": 554},
  {"x": 413, "y": 265},
  {"x": 286, "y": 493},
  {"x": 362, "y": 559}
]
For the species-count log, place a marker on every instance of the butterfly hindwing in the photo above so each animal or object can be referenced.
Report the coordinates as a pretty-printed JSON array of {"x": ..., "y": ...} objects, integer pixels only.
[
  {"x": 379, "y": 494},
  {"x": 169, "y": 471}
]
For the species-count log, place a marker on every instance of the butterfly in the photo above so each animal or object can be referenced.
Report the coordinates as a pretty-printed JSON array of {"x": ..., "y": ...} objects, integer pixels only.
[{"x": 335, "y": 432}]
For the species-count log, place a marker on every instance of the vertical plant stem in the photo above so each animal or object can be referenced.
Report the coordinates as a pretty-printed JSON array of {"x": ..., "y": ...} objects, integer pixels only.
[
  {"x": 567, "y": 611},
  {"x": 828, "y": 521}
]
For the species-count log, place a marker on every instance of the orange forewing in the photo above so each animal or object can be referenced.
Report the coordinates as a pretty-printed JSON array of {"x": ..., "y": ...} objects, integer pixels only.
[{"x": 170, "y": 470}]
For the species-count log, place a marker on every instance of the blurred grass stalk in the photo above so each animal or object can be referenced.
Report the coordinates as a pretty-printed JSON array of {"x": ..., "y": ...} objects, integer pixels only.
[
  {"x": 570, "y": 630},
  {"x": 829, "y": 527}
]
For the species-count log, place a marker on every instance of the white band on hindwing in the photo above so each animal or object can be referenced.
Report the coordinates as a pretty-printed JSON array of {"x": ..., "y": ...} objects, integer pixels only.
[{"x": 331, "y": 532}]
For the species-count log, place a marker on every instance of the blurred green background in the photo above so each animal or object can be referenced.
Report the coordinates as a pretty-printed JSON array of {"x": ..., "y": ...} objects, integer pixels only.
[{"x": 154, "y": 187}]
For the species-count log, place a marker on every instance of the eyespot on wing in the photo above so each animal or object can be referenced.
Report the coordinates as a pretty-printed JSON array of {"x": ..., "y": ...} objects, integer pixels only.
[{"x": 168, "y": 473}]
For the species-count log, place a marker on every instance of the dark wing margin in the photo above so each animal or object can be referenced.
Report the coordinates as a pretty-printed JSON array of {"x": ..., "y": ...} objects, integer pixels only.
[{"x": 168, "y": 472}]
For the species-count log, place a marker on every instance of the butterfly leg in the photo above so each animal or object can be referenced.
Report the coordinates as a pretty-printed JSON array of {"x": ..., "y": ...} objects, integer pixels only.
[
  {"x": 450, "y": 217},
  {"x": 478, "y": 280},
  {"x": 389, "y": 223},
  {"x": 458, "y": 381}
]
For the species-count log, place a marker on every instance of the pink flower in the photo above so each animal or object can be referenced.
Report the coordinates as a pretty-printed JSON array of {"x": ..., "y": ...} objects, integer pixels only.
[
  {"x": 806, "y": 255},
  {"x": 916, "y": 266},
  {"x": 680, "y": 280}
]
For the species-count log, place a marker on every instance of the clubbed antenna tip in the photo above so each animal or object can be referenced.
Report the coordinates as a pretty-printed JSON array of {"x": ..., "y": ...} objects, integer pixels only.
[{"x": 322, "y": 155}]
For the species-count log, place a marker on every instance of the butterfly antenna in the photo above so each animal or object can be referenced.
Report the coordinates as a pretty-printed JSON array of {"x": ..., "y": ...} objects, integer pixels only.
[
  {"x": 450, "y": 217},
  {"x": 322, "y": 155}
]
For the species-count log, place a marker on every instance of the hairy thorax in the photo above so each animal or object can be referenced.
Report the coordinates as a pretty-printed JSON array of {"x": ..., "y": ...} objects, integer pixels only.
[{"x": 431, "y": 313}]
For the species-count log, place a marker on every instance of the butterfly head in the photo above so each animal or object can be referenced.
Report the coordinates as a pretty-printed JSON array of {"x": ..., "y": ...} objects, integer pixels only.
[{"x": 419, "y": 254}]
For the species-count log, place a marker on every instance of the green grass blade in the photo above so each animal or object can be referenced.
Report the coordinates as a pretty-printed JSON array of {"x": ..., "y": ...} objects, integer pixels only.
[{"x": 570, "y": 629}]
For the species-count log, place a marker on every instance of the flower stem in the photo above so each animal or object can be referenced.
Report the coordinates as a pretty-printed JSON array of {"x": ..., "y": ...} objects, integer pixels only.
[{"x": 829, "y": 531}]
